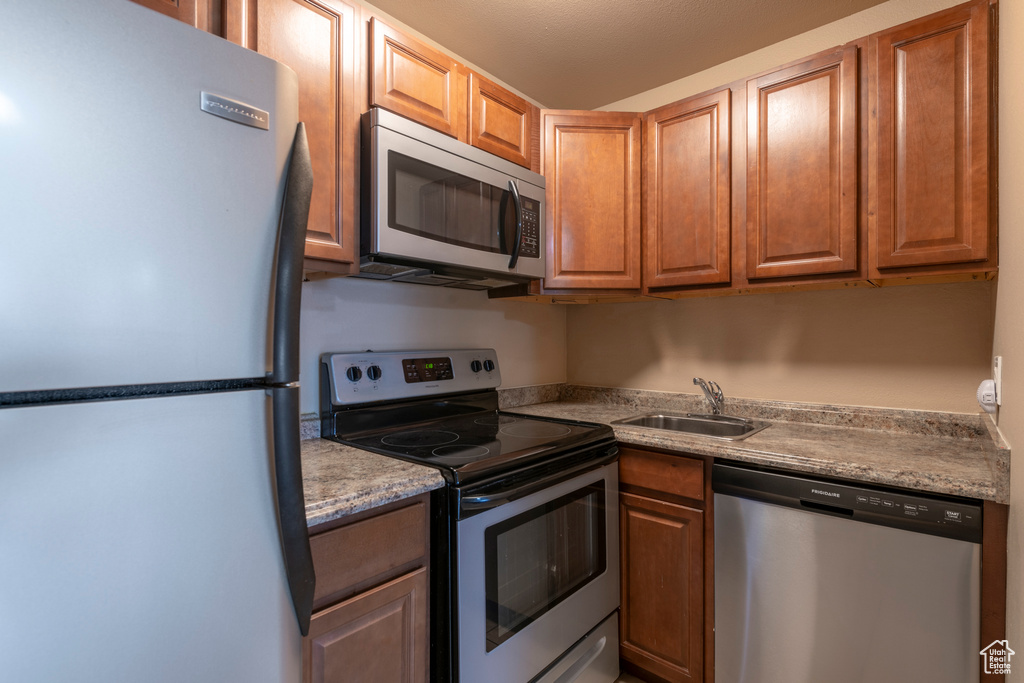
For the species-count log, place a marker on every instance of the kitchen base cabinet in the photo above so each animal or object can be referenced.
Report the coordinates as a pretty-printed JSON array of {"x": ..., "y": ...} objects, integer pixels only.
[
  {"x": 376, "y": 637},
  {"x": 370, "y": 605},
  {"x": 667, "y": 593}
]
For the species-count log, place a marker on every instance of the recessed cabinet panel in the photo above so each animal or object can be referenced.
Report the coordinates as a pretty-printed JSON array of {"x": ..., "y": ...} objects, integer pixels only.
[
  {"x": 378, "y": 636},
  {"x": 592, "y": 168},
  {"x": 413, "y": 79},
  {"x": 316, "y": 38},
  {"x": 802, "y": 168},
  {"x": 662, "y": 578},
  {"x": 500, "y": 121},
  {"x": 686, "y": 234},
  {"x": 933, "y": 140}
]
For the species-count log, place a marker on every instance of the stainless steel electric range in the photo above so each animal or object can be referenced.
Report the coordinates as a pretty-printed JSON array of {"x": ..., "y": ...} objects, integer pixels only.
[{"x": 525, "y": 536}]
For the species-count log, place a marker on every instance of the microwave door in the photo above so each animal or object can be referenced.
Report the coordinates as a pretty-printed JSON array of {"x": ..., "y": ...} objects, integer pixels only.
[{"x": 435, "y": 206}]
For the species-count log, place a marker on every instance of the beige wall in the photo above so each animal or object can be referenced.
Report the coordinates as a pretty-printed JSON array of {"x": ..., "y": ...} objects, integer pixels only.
[
  {"x": 354, "y": 315},
  {"x": 924, "y": 347},
  {"x": 838, "y": 32},
  {"x": 1009, "y": 329}
]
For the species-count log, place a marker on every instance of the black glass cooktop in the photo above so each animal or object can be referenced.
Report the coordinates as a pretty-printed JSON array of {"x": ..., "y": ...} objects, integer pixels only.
[{"x": 481, "y": 443}]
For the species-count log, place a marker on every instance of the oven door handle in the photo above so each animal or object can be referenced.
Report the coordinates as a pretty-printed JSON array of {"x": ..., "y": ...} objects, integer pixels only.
[{"x": 492, "y": 499}]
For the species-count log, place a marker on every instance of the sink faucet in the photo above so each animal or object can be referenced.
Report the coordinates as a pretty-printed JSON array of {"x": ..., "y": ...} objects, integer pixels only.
[{"x": 713, "y": 393}]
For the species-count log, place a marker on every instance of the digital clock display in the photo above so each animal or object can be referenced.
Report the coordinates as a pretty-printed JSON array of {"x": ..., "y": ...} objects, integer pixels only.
[{"x": 427, "y": 369}]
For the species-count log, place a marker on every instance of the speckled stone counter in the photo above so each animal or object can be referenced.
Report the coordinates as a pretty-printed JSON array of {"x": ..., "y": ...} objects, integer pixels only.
[
  {"x": 955, "y": 454},
  {"x": 340, "y": 480}
]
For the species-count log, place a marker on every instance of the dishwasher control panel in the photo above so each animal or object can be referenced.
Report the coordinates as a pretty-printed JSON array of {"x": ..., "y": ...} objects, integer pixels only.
[{"x": 902, "y": 510}]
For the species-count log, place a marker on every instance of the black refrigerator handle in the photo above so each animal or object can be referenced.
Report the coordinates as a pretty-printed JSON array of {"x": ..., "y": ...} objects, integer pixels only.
[{"x": 291, "y": 503}]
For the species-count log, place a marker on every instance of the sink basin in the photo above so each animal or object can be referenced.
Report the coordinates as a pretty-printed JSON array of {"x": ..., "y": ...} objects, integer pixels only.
[{"x": 714, "y": 426}]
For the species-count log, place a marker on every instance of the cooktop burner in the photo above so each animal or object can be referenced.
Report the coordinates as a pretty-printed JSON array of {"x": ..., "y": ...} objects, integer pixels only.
[
  {"x": 475, "y": 445},
  {"x": 418, "y": 438}
]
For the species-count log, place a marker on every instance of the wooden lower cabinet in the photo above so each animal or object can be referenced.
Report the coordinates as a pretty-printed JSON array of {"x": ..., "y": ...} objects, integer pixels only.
[
  {"x": 379, "y": 636},
  {"x": 666, "y": 546},
  {"x": 370, "y": 623},
  {"x": 662, "y": 587}
]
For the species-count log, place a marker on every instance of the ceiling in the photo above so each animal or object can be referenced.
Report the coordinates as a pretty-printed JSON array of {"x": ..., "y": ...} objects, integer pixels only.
[{"x": 584, "y": 54}]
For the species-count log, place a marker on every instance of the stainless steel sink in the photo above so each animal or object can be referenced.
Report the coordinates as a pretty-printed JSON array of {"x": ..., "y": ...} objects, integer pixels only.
[{"x": 714, "y": 426}]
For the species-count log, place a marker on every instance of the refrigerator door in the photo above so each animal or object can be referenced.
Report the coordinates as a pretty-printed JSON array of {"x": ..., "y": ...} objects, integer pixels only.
[
  {"x": 139, "y": 542},
  {"x": 139, "y": 230}
]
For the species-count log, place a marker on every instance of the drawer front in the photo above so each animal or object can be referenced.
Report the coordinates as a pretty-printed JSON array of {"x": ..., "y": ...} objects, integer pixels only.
[
  {"x": 674, "y": 474},
  {"x": 371, "y": 550}
]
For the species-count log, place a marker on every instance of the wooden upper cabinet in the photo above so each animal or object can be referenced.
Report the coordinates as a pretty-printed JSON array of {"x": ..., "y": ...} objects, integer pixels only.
[
  {"x": 687, "y": 193},
  {"x": 802, "y": 150},
  {"x": 500, "y": 121},
  {"x": 317, "y": 39},
  {"x": 413, "y": 79},
  {"x": 932, "y": 136},
  {"x": 204, "y": 15},
  {"x": 592, "y": 167}
]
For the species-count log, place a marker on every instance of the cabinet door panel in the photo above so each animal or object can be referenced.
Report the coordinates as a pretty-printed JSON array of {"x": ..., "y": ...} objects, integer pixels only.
[
  {"x": 686, "y": 231},
  {"x": 802, "y": 168},
  {"x": 662, "y": 611},
  {"x": 933, "y": 112},
  {"x": 316, "y": 38},
  {"x": 412, "y": 79},
  {"x": 379, "y": 636},
  {"x": 592, "y": 168},
  {"x": 500, "y": 122}
]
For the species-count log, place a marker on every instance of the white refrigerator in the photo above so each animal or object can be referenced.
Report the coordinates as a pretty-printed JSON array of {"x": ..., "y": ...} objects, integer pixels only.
[{"x": 154, "y": 188}]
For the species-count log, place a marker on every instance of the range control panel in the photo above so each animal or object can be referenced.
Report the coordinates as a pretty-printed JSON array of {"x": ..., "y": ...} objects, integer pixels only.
[{"x": 369, "y": 377}]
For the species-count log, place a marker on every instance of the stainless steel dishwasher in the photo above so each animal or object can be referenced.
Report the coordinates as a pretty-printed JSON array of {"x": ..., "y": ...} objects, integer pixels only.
[{"x": 821, "y": 582}]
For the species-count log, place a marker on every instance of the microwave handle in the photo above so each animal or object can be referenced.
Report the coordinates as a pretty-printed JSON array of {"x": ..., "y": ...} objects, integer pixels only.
[{"x": 519, "y": 224}]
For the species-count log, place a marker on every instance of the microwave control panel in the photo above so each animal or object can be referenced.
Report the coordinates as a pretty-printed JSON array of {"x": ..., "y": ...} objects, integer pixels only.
[{"x": 530, "y": 244}]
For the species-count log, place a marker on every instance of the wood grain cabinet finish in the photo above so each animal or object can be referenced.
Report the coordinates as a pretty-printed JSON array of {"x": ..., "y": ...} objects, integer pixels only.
[
  {"x": 379, "y": 636},
  {"x": 687, "y": 193},
  {"x": 317, "y": 39},
  {"x": 932, "y": 137},
  {"x": 204, "y": 15},
  {"x": 370, "y": 619},
  {"x": 413, "y": 79},
  {"x": 592, "y": 165},
  {"x": 802, "y": 144},
  {"x": 500, "y": 122},
  {"x": 662, "y": 613}
]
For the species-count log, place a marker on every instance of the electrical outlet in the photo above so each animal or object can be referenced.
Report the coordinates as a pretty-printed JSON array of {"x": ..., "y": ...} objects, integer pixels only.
[{"x": 997, "y": 376}]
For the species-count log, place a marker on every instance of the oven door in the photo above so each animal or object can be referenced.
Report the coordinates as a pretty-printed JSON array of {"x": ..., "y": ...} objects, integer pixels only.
[
  {"x": 435, "y": 206},
  {"x": 534, "y": 576}
]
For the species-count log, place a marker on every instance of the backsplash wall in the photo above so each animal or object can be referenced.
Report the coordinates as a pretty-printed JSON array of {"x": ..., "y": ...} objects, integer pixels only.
[
  {"x": 347, "y": 314},
  {"x": 921, "y": 347}
]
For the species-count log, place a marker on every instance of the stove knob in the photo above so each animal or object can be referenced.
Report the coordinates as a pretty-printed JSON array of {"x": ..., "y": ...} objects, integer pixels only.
[
  {"x": 353, "y": 373},
  {"x": 373, "y": 372},
  {"x": 488, "y": 365},
  {"x": 475, "y": 366}
]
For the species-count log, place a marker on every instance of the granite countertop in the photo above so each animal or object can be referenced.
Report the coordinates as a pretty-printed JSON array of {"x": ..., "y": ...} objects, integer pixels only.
[
  {"x": 954, "y": 454},
  {"x": 339, "y": 480}
]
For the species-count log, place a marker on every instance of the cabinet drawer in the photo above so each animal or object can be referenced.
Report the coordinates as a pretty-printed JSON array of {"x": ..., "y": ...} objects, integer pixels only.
[
  {"x": 373, "y": 549},
  {"x": 673, "y": 474}
]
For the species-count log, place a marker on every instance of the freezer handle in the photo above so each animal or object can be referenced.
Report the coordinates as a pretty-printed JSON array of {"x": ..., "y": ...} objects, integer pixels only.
[{"x": 291, "y": 504}]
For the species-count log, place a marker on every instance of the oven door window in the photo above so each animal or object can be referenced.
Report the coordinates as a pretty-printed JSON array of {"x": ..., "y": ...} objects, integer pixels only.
[
  {"x": 431, "y": 202},
  {"x": 539, "y": 558}
]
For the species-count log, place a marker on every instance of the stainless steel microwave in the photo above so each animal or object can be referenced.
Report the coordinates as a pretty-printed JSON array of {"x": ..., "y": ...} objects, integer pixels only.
[{"x": 440, "y": 212}]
